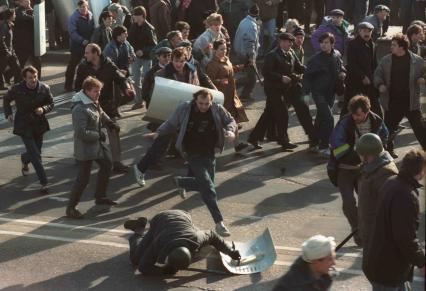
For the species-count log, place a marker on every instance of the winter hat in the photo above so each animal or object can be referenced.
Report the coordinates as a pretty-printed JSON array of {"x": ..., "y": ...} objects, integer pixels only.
[
  {"x": 254, "y": 10},
  {"x": 336, "y": 12},
  {"x": 317, "y": 247},
  {"x": 298, "y": 31}
]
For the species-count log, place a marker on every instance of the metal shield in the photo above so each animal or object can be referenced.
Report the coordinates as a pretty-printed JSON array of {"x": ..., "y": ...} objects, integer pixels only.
[
  {"x": 168, "y": 94},
  {"x": 257, "y": 255}
]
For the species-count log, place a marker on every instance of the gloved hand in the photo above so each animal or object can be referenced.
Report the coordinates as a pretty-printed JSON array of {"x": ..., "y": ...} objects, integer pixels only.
[
  {"x": 235, "y": 255},
  {"x": 102, "y": 136},
  {"x": 114, "y": 126}
]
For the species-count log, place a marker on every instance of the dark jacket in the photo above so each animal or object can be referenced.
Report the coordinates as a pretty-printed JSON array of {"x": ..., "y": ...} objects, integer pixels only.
[
  {"x": 342, "y": 140},
  {"x": 299, "y": 278},
  {"x": 6, "y": 39},
  {"x": 233, "y": 11},
  {"x": 148, "y": 84},
  {"x": 205, "y": 80},
  {"x": 26, "y": 121},
  {"x": 160, "y": 12},
  {"x": 108, "y": 73},
  {"x": 373, "y": 176},
  {"x": 80, "y": 28},
  {"x": 169, "y": 73},
  {"x": 23, "y": 30},
  {"x": 278, "y": 64},
  {"x": 322, "y": 73},
  {"x": 102, "y": 35},
  {"x": 143, "y": 38},
  {"x": 361, "y": 62},
  {"x": 170, "y": 229},
  {"x": 195, "y": 15},
  {"x": 394, "y": 247}
]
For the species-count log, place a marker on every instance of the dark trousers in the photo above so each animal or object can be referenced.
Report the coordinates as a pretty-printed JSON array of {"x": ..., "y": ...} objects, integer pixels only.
[
  {"x": 70, "y": 72},
  {"x": 138, "y": 245},
  {"x": 411, "y": 10},
  {"x": 84, "y": 176},
  {"x": 394, "y": 116},
  {"x": 346, "y": 181},
  {"x": 201, "y": 172},
  {"x": 33, "y": 146},
  {"x": 276, "y": 112},
  {"x": 358, "y": 9},
  {"x": 303, "y": 114},
  {"x": 154, "y": 152},
  {"x": 319, "y": 6},
  {"x": 24, "y": 56},
  {"x": 13, "y": 62},
  {"x": 324, "y": 121},
  {"x": 246, "y": 80}
]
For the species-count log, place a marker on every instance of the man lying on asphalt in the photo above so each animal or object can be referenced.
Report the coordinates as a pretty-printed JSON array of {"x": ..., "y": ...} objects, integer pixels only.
[{"x": 170, "y": 243}]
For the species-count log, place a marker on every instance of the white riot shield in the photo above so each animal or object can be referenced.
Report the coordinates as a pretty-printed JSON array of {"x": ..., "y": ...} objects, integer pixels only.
[
  {"x": 168, "y": 94},
  {"x": 257, "y": 255}
]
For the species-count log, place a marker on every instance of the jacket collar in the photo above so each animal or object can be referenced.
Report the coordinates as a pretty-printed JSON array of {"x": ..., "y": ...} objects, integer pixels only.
[
  {"x": 410, "y": 180},
  {"x": 383, "y": 159},
  {"x": 302, "y": 274}
]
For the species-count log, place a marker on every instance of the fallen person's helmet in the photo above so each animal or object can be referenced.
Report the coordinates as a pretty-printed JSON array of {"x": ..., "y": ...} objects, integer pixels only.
[{"x": 180, "y": 258}]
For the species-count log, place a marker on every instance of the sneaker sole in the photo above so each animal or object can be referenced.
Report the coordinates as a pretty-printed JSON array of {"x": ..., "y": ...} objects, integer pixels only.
[{"x": 135, "y": 171}]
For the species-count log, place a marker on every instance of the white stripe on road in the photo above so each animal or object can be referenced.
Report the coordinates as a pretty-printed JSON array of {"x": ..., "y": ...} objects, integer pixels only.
[
  {"x": 106, "y": 230},
  {"x": 62, "y": 225},
  {"x": 120, "y": 245}
]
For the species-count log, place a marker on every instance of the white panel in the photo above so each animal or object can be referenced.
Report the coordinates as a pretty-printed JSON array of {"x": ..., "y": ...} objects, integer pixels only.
[{"x": 39, "y": 29}]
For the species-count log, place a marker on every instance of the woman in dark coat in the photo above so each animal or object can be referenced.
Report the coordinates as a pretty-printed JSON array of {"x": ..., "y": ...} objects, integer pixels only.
[{"x": 221, "y": 71}]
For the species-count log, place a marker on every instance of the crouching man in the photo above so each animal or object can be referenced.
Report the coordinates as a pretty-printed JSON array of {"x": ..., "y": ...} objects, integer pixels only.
[
  {"x": 171, "y": 243},
  {"x": 311, "y": 270}
]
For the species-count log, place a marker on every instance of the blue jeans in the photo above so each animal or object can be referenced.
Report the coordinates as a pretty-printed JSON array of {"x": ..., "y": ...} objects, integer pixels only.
[
  {"x": 201, "y": 171},
  {"x": 270, "y": 27},
  {"x": 155, "y": 152},
  {"x": 403, "y": 287},
  {"x": 33, "y": 155},
  {"x": 138, "y": 68},
  {"x": 324, "y": 121}
]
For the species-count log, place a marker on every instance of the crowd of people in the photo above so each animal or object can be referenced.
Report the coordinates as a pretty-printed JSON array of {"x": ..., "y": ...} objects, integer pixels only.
[{"x": 218, "y": 46}]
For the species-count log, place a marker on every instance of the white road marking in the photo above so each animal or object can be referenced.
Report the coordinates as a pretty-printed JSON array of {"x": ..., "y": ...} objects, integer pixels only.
[{"x": 120, "y": 245}]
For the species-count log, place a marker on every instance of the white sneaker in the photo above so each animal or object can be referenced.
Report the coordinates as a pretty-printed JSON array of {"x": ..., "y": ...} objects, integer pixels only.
[
  {"x": 324, "y": 152},
  {"x": 222, "y": 230},
  {"x": 180, "y": 190},
  {"x": 140, "y": 177}
]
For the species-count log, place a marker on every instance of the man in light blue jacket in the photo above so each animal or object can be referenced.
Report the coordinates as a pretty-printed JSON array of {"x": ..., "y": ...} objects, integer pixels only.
[{"x": 246, "y": 45}]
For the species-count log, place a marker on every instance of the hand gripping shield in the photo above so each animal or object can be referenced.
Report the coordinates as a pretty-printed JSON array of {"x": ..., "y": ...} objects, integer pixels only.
[{"x": 257, "y": 255}]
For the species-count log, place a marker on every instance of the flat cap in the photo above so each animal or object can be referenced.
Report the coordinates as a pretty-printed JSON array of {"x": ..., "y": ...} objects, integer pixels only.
[
  {"x": 365, "y": 25},
  {"x": 163, "y": 50},
  {"x": 184, "y": 43},
  {"x": 298, "y": 31},
  {"x": 336, "y": 12},
  {"x": 286, "y": 36},
  {"x": 380, "y": 8}
]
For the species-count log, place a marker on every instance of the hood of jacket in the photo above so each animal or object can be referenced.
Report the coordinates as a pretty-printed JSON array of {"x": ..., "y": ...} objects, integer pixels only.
[
  {"x": 80, "y": 98},
  {"x": 383, "y": 159}
]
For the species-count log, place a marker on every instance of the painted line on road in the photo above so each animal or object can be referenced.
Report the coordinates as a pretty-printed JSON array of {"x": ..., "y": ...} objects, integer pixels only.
[
  {"x": 120, "y": 245},
  {"x": 106, "y": 230},
  {"x": 63, "y": 225}
]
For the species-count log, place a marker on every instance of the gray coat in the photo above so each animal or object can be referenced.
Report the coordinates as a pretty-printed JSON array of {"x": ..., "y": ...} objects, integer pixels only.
[
  {"x": 382, "y": 76},
  {"x": 87, "y": 120},
  {"x": 179, "y": 121}
]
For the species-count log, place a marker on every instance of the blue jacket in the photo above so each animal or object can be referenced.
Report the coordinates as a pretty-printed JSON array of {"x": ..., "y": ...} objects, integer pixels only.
[
  {"x": 246, "y": 41},
  {"x": 119, "y": 53},
  {"x": 80, "y": 29},
  {"x": 321, "y": 74},
  {"x": 342, "y": 140}
]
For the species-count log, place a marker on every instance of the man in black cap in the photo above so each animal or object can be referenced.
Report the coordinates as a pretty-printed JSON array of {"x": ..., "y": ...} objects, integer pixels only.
[
  {"x": 171, "y": 243},
  {"x": 361, "y": 63},
  {"x": 282, "y": 71},
  {"x": 381, "y": 13}
]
